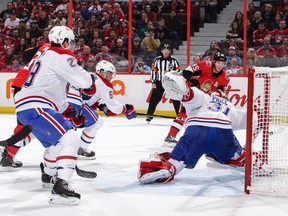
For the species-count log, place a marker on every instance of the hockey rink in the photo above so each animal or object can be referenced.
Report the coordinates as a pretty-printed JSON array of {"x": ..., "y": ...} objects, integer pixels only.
[{"x": 119, "y": 146}]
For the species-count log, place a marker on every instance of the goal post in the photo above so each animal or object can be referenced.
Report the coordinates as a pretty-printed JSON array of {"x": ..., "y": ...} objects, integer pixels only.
[{"x": 267, "y": 133}]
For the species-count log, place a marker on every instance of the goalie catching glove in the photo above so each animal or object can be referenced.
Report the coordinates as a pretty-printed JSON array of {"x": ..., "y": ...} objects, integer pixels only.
[
  {"x": 70, "y": 115},
  {"x": 157, "y": 169},
  {"x": 175, "y": 85},
  {"x": 129, "y": 111}
]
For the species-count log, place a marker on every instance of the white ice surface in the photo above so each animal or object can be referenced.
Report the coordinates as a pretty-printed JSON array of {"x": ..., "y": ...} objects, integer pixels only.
[{"x": 115, "y": 192}]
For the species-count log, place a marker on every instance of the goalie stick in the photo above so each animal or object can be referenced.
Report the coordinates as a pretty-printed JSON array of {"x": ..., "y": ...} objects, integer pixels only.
[
  {"x": 17, "y": 137},
  {"x": 84, "y": 173}
]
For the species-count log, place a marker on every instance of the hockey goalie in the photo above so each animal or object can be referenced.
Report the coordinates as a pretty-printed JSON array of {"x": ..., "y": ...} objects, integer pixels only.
[{"x": 208, "y": 131}]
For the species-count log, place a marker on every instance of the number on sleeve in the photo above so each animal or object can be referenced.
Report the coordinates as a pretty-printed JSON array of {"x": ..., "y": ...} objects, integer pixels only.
[{"x": 33, "y": 72}]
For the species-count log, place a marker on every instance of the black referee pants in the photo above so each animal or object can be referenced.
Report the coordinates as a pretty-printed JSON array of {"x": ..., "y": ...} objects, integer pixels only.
[{"x": 156, "y": 98}]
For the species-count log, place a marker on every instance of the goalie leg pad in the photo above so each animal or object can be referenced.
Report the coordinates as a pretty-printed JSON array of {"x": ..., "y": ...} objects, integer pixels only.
[{"x": 156, "y": 171}]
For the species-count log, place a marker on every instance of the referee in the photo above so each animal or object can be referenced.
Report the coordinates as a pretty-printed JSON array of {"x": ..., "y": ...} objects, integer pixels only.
[{"x": 161, "y": 64}]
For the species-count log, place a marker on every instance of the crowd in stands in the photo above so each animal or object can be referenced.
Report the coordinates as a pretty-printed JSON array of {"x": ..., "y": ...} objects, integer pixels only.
[
  {"x": 267, "y": 38},
  {"x": 102, "y": 31}
]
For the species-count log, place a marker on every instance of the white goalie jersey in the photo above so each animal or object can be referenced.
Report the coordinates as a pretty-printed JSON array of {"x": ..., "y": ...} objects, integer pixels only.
[{"x": 213, "y": 111}]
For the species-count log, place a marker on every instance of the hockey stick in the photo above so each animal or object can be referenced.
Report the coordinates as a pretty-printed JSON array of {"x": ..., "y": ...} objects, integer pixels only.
[
  {"x": 84, "y": 173},
  {"x": 17, "y": 137},
  {"x": 160, "y": 116}
]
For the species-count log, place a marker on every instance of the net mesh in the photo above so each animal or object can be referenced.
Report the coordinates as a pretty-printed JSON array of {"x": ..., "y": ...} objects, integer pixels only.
[{"x": 270, "y": 131}]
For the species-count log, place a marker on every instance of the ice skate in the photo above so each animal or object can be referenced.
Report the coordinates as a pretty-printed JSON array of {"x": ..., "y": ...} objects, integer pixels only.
[
  {"x": 8, "y": 163},
  {"x": 170, "y": 142},
  {"x": 157, "y": 176},
  {"x": 86, "y": 154},
  {"x": 149, "y": 119},
  {"x": 63, "y": 194},
  {"x": 47, "y": 180}
]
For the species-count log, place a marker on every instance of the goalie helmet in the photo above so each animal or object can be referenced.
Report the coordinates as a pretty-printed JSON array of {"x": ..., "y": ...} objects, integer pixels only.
[
  {"x": 58, "y": 34},
  {"x": 106, "y": 66}
]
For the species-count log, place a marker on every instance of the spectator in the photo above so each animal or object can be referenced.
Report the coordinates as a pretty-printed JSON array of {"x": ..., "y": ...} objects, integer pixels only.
[
  {"x": 60, "y": 20},
  {"x": 15, "y": 37},
  {"x": 22, "y": 28},
  {"x": 175, "y": 5},
  {"x": 231, "y": 54},
  {"x": 250, "y": 31},
  {"x": 234, "y": 69},
  {"x": 104, "y": 55},
  {"x": 266, "y": 45},
  {"x": 151, "y": 45},
  {"x": 142, "y": 5},
  {"x": 268, "y": 16},
  {"x": 4, "y": 30},
  {"x": 256, "y": 20},
  {"x": 119, "y": 51},
  {"x": 90, "y": 65},
  {"x": 82, "y": 59},
  {"x": 251, "y": 12},
  {"x": 232, "y": 43},
  {"x": 213, "y": 48},
  {"x": 15, "y": 65},
  {"x": 182, "y": 6},
  {"x": 12, "y": 20},
  {"x": 115, "y": 25},
  {"x": 211, "y": 11},
  {"x": 110, "y": 41},
  {"x": 80, "y": 45},
  {"x": 138, "y": 51},
  {"x": 278, "y": 34},
  {"x": 20, "y": 48},
  {"x": 259, "y": 34},
  {"x": 252, "y": 59},
  {"x": 43, "y": 20},
  {"x": 160, "y": 7},
  {"x": 31, "y": 18},
  {"x": 238, "y": 18},
  {"x": 77, "y": 5},
  {"x": 19, "y": 7},
  {"x": 92, "y": 23},
  {"x": 176, "y": 29},
  {"x": 269, "y": 59},
  {"x": 6, "y": 44},
  {"x": 144, "y": 31},
  {"x": 78, "y": 28},
  {"x": 142, "y": 22},
  {"x": 141, "y": 67},
  {"x": 282, "y": 50},
  {"x": 63, "y": 6},
  {"x": 136, "y": 14},
  {"x": 85, "y": 13},
  {"x": 105, "y": 22},
  {"x": 151, "y": 15},
  {"x": 96, "y": 9},
  {"x": 7, "y": 57},
  {"x": 6, "y": 12},
  {"x": 276, "y": 22},
  {"x": 96, "y": 48},
  {"x": 34, "y": 30},
  {"x": 234, "y": 31},
  {"x": 28, "y": 39},
  {"x": 162, "y": 32},
  {"x": 76, "y": 18},
  {"x": 117, "y": 12}
]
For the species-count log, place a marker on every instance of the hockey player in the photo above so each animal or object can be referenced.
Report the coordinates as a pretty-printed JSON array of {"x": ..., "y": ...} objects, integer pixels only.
[
  {"x": 103, "y": 99},
  {"x": 40, "y": 103},
  {"x": 207, "y": 76},
  {"x": 209, "y": 130},
  {"x": 7, "y": 158}
]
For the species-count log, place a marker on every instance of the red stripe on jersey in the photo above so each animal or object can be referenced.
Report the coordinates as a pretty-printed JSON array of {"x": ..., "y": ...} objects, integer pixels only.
[
  {"x": 50, "y": 161},
  {"x": 52, "y": 120},
  {"x": 90, "y": 137},
  {"x": 69, "y": 157}
]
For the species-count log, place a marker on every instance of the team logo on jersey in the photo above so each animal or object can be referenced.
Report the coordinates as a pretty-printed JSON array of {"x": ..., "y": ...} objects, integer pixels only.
[
  {"x": 209, "y": 63},
  {"x": 206, "y": 86}
]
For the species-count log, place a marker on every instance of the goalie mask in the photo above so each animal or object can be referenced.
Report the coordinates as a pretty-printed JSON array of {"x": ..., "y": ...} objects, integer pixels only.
[
  {"x": 104, "y": 67},
  {"x": 175, "y": 85},
  {"x": 58, "y": 35}
]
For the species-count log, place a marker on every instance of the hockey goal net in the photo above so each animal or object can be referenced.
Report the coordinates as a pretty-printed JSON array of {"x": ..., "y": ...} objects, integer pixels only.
[{"x": 267, "y": 132}]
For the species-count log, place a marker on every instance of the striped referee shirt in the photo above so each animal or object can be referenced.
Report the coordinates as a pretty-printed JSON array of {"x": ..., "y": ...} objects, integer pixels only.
[{"x": 161, "y": 65}]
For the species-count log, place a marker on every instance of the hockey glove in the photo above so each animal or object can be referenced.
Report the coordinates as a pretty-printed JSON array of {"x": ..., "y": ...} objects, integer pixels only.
[
  {"x": 129, "y": 111},
  {"x": 105, "y": 109},
  {"x": 88, "y": 93},
  {"x": 69, "y": 113},
  {"x": 78, "y": 122}
]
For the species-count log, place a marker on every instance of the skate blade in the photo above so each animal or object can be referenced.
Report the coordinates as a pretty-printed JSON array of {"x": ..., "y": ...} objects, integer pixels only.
[
  {"x": 169, "y": 145},
  {"x": 60, "y": 200},
  {"x": 153, "y": 176},
  {"x": 47, "y": 185},
  {"x": 80, "y": 157},
  {"x": 9, "y": 169}
]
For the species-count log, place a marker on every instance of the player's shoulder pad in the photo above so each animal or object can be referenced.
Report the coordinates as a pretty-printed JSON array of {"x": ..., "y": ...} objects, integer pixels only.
[{"x": 105, "y": 81}]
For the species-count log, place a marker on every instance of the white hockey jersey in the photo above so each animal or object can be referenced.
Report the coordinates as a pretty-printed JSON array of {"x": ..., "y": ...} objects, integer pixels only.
[
  {"x": 213, "y": 111},
  {"x": 46, "y": 86},
  {"x": 104, "y": 94}
]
